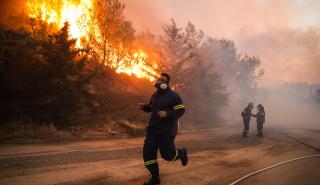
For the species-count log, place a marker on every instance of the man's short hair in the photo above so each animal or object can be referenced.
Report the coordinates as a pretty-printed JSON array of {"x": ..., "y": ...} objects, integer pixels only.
[{"x": 166, "y": 75}]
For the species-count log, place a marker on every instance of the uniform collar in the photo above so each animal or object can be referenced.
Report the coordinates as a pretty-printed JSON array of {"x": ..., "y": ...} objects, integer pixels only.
[{"x": 163, "y": 91}]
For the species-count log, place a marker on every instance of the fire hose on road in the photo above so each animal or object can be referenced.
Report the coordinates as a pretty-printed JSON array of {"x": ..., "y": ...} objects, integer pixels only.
[
  {"x": 281, "y": 163},
  {"x": 275, "y": 165}
]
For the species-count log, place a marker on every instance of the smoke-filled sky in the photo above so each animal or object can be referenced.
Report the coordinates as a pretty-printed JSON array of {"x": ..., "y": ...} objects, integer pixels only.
[{"x": 285, "y": 34}]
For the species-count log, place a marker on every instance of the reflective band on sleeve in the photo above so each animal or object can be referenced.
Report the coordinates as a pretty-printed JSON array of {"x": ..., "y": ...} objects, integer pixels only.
[
  {"x": 150, "y": 162},
  {"x": 181, "y": 106}
]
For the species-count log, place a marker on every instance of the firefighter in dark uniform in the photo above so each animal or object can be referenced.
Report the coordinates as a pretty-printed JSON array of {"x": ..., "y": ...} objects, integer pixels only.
[
  {"x": 260, "y": 119},
  {"x": 166, "y": 108},
  {"x": 246, "y": 115}
]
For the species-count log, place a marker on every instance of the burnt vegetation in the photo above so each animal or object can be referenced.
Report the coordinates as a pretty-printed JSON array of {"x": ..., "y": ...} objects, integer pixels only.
[{"x": 44, "y": 78}]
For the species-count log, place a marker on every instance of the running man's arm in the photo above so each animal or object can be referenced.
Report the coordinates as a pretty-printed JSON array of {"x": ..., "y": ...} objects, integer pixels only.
[{"x": 178, "y": 108}]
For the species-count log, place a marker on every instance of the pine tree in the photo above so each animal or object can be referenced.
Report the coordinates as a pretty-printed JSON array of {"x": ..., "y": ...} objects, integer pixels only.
[
  {"x": 41, "y": 80},
  {"x": 195, "y": 79}
]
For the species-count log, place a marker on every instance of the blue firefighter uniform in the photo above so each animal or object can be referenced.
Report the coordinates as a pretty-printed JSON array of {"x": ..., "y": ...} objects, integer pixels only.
[
  {"x": 260, "y": 120},
  {"x": 161, "y": 132},
  {"x": 246, "y": 115}
]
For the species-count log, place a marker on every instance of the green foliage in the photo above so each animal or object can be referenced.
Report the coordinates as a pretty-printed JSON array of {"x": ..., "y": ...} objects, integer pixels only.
[
  {"x": 44, "y": 78},
  {"x": 40, "y": 79}
]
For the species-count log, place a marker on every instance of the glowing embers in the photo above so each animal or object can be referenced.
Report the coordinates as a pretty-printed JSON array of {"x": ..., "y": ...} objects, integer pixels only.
[{"x": 138, "y": 66}]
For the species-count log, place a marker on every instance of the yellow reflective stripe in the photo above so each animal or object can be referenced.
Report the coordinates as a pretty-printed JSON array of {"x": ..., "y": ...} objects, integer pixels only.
[
  {"x": 178, "y": 107},
  {"x": 175, "y": 157},
  {"x": 150, "y": 162}
]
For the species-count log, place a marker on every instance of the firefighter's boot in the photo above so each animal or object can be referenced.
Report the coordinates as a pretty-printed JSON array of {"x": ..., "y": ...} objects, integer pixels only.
[
  {"x": 184, "y": 157},
  {"x": 153, "y": 181}
]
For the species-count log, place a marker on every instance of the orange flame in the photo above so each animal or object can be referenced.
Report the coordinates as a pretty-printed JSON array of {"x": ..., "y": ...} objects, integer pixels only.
[{"x": 79, "y": 13}]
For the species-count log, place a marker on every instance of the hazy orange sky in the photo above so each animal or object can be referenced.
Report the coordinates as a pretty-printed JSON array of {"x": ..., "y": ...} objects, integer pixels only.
[{"x": 285, "y": 34}]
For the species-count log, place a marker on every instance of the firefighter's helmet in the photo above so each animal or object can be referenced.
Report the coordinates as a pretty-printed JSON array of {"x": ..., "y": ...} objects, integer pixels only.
[{"x": 260, "y": 107}]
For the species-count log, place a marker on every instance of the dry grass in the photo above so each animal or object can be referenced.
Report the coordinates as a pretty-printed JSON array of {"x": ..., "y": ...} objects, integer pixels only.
[
  {"x": 27, "y": 131},
  {"x": 125, "y": 127}
]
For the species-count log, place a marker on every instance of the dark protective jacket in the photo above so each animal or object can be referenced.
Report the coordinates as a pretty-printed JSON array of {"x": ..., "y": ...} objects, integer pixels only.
[
  {"x": 261, "y": 116},
  {"x": 164, "y": 100},
  {"x": 246, "y": 114}
]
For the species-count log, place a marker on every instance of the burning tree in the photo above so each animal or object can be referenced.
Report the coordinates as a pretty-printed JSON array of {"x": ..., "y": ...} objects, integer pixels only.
[
  {"x": 99, "y": 25},
  {"x": 53, "y": 77}
]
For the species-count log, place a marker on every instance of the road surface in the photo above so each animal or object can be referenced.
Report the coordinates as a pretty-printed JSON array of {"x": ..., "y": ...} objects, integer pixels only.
[{"x": 217, "y": 157}]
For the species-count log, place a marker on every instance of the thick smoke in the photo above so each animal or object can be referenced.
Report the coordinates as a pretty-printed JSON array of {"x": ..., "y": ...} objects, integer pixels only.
[
  {"x": 288, "y": 55},
  {"x": 291, "y": 105},
  {"x": 277, "y": 31},
  {"x": 284, "y": 34}
]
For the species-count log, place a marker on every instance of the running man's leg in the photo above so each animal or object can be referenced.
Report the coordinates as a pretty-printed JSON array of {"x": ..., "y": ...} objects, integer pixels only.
[
  {"x": 167, "y": 147},
  {"x": 150, "y": 149}
]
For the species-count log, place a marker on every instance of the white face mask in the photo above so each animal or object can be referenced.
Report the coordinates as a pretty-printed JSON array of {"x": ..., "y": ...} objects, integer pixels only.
[{"x": 163, "y": 86}]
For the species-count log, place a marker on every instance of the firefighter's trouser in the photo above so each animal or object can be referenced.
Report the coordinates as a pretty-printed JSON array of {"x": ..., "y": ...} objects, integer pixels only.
[
  {"x": 260, "y": 127},
  {"x": 162, "y": 139},
  {"x": 246, "y": 124}
]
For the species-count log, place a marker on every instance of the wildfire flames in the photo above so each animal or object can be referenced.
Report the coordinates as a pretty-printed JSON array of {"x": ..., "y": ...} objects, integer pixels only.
[{"x": 79, "y": 13}]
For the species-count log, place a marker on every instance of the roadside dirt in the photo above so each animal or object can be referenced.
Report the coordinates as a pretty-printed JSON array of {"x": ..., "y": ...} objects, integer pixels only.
[{"x": 217, "y": 157}]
